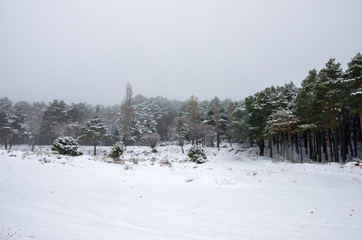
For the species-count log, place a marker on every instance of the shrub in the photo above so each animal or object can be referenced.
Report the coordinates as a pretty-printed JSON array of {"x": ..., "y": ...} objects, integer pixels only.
[
  {"x": 66, "y": 146},
  {"x": 117, "y": 150},
  {"x": 197, "y": 154},
  {"x": 152, "y": 139}
]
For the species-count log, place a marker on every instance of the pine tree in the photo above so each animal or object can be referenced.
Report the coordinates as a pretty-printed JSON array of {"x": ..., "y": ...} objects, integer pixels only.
[
  {"x": 283, "y": 122},
  {"x": 354, "y": 76},
  {"x": 94, "y": 130},
  {"x": 178, "y": 131},
  {"x": 54, "y": 117},
  {"x": 328, "y": 94},
  {"x": 5, "y": 127}
]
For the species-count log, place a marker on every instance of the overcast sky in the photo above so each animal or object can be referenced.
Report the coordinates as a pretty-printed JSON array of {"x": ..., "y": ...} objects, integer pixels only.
[{"x": 87, "y": 51}]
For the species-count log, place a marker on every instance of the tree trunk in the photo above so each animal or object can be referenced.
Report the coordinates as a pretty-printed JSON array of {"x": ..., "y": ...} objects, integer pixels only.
[
  {"x": 319, "y": 149},
  {"x": 95, "y": 146},
  {"x": 301, "y": 149},
  {"x": 315, "y": 147},
  {"x": 310, "y": 145},
  {"x": 360, "y": 114},
  {"x": 5, "y": 142},
  {"x": 355, "y": 136},
  {"x": 180, "y": 141},
  {"x": 271, "y": 147},
  {"x": 12, "y": 140},
  {"x": 305, "y": 136},
  {"x": 325, "y": 148},
  {"x": 335, "y": 145},
  {"x": 330, "y": 145},
  {"x": 343, "y": 136},
  {"x": 290, "y": 147},
  {"x": 360, "y": 123},
  {"x": 285, "y": 147},
  {"x": 32, "y": 144},
  {"x": 261, "y": 146},
  {"x": 218, "y": 140}
]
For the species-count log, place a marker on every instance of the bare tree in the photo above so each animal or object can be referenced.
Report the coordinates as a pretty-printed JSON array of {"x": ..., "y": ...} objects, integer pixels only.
[{"x": 127, "y": 114}]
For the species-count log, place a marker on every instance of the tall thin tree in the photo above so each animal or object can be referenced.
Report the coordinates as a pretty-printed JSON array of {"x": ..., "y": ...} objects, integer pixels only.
[{"x": 127, "y": 114}]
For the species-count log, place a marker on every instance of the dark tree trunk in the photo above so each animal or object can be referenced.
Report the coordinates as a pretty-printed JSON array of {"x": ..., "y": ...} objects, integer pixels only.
[
  {"x": 315, "y": 149},
  {"x": 305, "y": 136},
  {"x": 271, "y": 147},
  {"x": 348, "y": 135},
  {"x": 290, "y": 145},
  {"x": 319, "y": 147},
  {"x": 285, "y": 147},
  {"x": 261, "y": 146},
  {"x": 325, "y": 149},
  {"x": 355, "y": 136},
  {"x": 335, "y": 145},
  {"x": 5, "y": 142},
  {"x": 218, "y": 140},
  {"x": 310, "y": 145},
  {"x": 95, "y": 146},
  {"x": 330, "y": 144},
  {"x": 301, "y": 149},
  {"x": 343, "y": 136}
]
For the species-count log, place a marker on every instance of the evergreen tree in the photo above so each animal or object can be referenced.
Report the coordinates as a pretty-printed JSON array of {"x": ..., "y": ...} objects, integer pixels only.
[
  {"x": 94, "y": 130},
  {"x": 178, "y": 131},
  {"x": 54, "y": 117},
  {"x": 283, "y": 122},
  {"x": 5, "y": 127},
  {"x": 354, "y": 76},
  {"x": 328, "y": 94},
  {"x": 17, "y": 127}
]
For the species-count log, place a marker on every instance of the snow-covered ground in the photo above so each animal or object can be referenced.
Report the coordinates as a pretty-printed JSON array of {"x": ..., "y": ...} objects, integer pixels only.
[{"x": 235, "y": 195}]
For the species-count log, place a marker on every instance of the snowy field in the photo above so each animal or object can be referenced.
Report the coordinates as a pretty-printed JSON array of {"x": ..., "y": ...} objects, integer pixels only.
[{"x": 235, "y": 195}]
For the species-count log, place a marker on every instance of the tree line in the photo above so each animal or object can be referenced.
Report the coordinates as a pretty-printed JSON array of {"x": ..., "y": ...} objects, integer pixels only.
[
  {"x": 321, "y": 120},
  {"x": 137, "y": 120}
]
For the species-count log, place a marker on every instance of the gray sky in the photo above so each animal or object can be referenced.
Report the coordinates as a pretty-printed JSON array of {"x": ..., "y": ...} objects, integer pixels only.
[{"x": 87, "y": 50}]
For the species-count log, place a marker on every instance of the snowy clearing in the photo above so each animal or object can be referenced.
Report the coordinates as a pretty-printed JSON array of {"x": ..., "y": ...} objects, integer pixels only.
[{"x": 235, "y": 195}]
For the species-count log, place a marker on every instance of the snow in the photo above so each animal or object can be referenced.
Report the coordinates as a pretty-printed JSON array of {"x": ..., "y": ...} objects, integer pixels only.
[{"x": 235, "y": 195}]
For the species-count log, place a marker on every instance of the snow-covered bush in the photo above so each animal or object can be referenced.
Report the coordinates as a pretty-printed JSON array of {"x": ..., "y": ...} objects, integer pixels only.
[
  {"x": 117, "y": 150},
  {"x": 66, "y": 146},
  {"x": 197, "y": 154}
]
